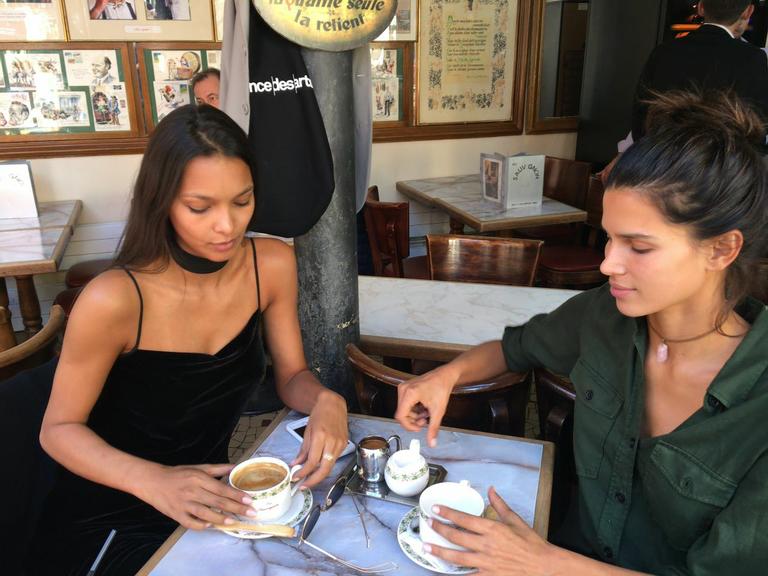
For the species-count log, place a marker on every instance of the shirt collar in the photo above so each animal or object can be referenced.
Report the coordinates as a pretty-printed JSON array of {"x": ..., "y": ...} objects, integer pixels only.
[{"x": 720, "y": 26}]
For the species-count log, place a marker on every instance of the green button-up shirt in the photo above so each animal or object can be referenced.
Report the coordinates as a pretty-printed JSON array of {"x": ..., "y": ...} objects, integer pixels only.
[{"x": 693, "y": 501}]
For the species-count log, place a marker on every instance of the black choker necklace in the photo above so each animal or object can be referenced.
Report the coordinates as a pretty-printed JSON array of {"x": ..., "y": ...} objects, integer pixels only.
[{"x": 192, "y": 263}]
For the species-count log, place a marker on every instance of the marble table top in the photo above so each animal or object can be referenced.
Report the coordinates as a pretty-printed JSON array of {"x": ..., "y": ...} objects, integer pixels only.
[
  {"x": 461, "y": 198},
  {"x": 446, "y": 316},
  {"x": 36, "y": 245},
  {"x": 513, "y": 466}
]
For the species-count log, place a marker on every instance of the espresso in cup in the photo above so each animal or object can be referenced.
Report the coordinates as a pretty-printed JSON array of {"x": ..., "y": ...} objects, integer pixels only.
[
  {"x": 267, "y": 481},
  {"x": 259, "y": 476}
]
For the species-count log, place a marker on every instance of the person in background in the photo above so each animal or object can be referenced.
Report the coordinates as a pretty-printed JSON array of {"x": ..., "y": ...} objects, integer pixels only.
[
  {"x": 710, "y": 58},
  {"x": 205, "y": 87},
  {"x": 669, "y": 361},
  {"x": 162, "y": 352}
]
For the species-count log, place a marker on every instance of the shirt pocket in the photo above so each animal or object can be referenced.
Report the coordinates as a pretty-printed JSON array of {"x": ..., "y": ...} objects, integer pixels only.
[
  {"x": 683, "y": 495},
  {"x": 597, "y": 405}
]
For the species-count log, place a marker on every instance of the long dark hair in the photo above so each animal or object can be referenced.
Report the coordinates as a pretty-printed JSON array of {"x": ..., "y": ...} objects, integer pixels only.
[
  {"x": 702, "y": 164},
  {"x": 185, "y": 134}
]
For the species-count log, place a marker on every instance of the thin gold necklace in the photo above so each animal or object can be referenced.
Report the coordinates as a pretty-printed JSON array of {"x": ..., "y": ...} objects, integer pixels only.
[{"x": 662, "y": 350}]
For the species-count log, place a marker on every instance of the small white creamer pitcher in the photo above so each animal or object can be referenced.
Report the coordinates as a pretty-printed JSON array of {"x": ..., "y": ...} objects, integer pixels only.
[{"x": 407, "y": 472}]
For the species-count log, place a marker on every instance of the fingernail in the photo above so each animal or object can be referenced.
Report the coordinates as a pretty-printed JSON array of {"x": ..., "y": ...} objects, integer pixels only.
[
  {"x": 250, "y": 512},
  {"x": 427, "y": 548},
  {"x": 229, "y": 520},
  {"x": 247, "y": 500},
  {"x": 436, "y": 509}
]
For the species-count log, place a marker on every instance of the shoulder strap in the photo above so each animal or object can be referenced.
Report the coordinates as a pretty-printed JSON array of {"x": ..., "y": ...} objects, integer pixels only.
[
  {"x": 141, "y": 307},
  {"x": 256, "y": 271}
]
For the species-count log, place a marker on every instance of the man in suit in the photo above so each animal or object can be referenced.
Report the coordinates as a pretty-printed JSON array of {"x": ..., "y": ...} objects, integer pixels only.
[{"x": 710, "y": 58}]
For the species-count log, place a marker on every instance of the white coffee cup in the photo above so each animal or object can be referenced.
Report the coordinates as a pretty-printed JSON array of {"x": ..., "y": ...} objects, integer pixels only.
[
  {"x": 457, "y": 495},
  {"x": 267, "y": 481}
]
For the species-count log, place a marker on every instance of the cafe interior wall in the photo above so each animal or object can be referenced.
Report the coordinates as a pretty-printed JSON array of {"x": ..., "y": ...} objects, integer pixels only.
[{"x": 103, "y": 183}]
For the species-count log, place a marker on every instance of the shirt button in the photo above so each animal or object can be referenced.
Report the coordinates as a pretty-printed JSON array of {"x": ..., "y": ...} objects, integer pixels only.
[
  {"x": 588, "y": 395},
  {"x": 620, "y": 498},
  {"x": 713, "y": 402},
  {"x": 686, "y": 483},
  {"x": 608, "y": 552}
]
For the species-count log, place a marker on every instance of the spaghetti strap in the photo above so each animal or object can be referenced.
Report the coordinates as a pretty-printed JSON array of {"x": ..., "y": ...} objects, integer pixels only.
[
  {"x": 256, "y": 271},
  {"x": 141, "y": 307}
]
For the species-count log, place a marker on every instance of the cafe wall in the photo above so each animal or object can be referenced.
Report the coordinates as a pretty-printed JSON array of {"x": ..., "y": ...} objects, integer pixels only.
[{"x": 103, "y": 184}]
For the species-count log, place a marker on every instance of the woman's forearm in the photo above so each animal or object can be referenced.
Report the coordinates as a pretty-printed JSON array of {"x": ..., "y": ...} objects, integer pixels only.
[
  {"x": 304, "y": 391},
  {"x": 85, "y": 453},
  {"x": 480, "y": 363}
]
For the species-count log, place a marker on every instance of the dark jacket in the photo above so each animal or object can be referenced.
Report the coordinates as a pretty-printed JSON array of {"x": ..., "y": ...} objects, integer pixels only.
[{"x": 707, "y": 58}]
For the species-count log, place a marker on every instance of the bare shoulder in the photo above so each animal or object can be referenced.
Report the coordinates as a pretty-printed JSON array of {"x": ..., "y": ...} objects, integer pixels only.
[
  {"x": 275, "y": 256},
  {"x": 111, "y": 297}
]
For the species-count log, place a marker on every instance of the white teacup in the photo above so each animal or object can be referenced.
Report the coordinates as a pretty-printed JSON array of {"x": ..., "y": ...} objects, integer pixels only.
[
  {"x": 457, "y": 495},
  {"x": 268, "y": 482}
]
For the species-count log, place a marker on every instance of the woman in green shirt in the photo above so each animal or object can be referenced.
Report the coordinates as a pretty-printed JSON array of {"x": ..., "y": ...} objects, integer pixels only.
[{"x": 669, "y": 361}]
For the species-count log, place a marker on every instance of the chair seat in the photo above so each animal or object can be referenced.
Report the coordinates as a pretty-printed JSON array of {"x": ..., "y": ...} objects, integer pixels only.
[
  {"x": 415, "y": 268},
  {"x": 83, "y": 272},
  {"x": 571, "y": 258}
]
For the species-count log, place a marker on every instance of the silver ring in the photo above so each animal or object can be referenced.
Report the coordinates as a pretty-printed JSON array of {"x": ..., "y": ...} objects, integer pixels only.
[{"x": 328, "y": 456}]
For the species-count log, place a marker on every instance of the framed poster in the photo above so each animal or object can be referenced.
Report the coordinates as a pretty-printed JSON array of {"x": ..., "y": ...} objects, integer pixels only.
[
  {"x": 34, "y": 21},
  {"x": 403, "y": 26},
  {"x": 139, "y": 19},
  {"x": 66, "y": 91},
  {"x": 166, "y": 70},
  {"x": 467, "y": 60},
  {"x": 391, "y": 83}
]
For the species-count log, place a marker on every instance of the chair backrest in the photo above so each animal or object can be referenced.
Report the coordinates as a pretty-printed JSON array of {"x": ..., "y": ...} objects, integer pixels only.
[
  {"x": 760, "y": 281},
  {"x": 567, "y": 180},
  {"x": 387, "y": 225},
  {"x": 494, "y": 406},
  {"x": 7, "y": 337},
  {"x": 37, "y": 350},
  {"x": 484, "y": 259},
  {"x": 373, "y": 193}
]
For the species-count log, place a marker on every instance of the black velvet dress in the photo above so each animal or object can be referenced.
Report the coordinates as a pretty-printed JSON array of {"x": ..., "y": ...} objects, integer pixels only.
[{"x": 168, "y": 407}]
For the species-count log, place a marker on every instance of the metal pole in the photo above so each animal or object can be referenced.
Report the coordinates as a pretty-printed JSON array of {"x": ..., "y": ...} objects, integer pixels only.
[{"x": 327, "y": 254}]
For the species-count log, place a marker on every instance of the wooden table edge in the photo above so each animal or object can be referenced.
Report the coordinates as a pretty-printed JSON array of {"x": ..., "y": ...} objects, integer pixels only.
[{"x": 160, "y": 553}]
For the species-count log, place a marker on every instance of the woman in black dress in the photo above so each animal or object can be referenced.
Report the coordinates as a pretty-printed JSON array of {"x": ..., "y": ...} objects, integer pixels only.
[{"x": 161, "y": 353}]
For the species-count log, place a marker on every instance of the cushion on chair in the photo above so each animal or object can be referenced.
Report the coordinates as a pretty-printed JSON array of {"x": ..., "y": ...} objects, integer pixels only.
[
  {"x": 83, "y": 272},
  {"x": 570, "y": 258}
]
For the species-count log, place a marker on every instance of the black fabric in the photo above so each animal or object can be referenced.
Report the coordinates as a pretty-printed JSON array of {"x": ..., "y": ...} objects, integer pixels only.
[
  {"x": 709, "y": 59},
  {"x": 29, "y": 472},
  {"x": 294, "y": 166}
]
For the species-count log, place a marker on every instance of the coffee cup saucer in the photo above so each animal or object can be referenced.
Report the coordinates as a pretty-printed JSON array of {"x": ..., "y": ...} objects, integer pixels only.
[
  {"x": 410, "y": 544},
  {"x": 301, "y": 503}
]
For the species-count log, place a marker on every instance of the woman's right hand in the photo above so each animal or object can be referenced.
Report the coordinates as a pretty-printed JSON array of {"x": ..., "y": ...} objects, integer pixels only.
[
  {"x": 193, "y": 496},
  {"x": 424, "y": 399}
]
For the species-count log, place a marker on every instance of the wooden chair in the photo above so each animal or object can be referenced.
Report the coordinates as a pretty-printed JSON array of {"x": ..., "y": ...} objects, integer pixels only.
[
  {"x": 578, "y": 265},
  {"x": 497, "y": 406},
  {"x": 566, "y": 181},
  {"x": 37, "y": 350},
  {"x": 485, "y": 259},
  {"x": 555, "y": 396},
  {"x": 387, "y": 224},
  {"x": 760, "y": 288},
  {"x": 7, "y": 336},
  {"x": 83, "y": 272}
]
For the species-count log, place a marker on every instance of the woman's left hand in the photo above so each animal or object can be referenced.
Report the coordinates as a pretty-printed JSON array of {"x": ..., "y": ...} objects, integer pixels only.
[
  {"x": 324, "y": 439},
  {"x": 508, "y": 546}
]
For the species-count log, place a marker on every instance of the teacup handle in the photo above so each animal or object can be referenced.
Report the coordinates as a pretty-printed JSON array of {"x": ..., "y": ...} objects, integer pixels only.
[
  {"x": 293, "y": 471},
  {"x": 396, "y": 438}
]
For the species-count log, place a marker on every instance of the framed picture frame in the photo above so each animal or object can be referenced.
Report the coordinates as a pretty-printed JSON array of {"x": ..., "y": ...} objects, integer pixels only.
[
  {"x": 140, "y": 20},
  {"x": 218, "y": 19},
  {"x": 391, "y": 83},
  {"x": 469, "y": 61},
  {"x": 166, "y": 70},
  {"x": 41, "y": 21},
  {"x": 403, "y": 26},
  {"x": 17, "y": 190},
  {"x": 67, "y": 91}
]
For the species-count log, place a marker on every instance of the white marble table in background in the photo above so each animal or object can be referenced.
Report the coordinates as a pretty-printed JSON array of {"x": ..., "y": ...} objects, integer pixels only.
[
  {"x": 462, "y": 199},
  {"x": 437, "y": 320},
  {"x": 520, "y": 470}
]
